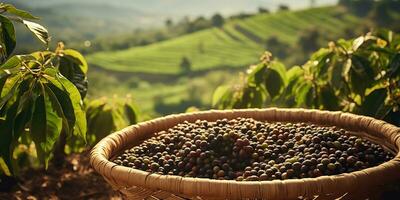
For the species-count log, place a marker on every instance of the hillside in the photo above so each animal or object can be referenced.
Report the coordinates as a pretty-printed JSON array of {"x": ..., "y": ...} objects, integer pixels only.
[{"x": 236, "y": 44}]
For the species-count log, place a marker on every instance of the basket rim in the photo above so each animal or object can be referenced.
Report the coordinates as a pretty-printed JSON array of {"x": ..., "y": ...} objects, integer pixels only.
[{"x": 124, "y": 177}]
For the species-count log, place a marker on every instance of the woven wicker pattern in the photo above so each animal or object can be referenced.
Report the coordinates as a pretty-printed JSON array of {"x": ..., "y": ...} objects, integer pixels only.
[{"x": 136, "y": 184}]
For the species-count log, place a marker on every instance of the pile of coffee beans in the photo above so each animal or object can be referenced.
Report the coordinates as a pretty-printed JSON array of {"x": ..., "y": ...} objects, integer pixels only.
[{"x": 244, "y": 149}]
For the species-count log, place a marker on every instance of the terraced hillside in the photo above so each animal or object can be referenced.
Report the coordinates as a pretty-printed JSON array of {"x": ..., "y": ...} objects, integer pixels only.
[{"x": 238, "y": 43}]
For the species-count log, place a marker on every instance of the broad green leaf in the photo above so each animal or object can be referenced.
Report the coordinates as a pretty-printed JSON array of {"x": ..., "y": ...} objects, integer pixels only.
[
  {"x": 3, "y": 81},
  {"x": 20, "y": 13},
  {"x": 11, "y": 63},
  {"x": 7, "y": 39},
  {"x": 256, "y": 75},
  {"x": 77, "y": 58},
  {"x": 301, "y": 92},
  {"x": 293, "y": 73},
  {"x": 280, "y": 68},
  {"x": 7, "y": 131},
  {"x": 38, "y": 30},
  {"x": 66, "y": 106},
  {"x": 218, "y": 95},
  {"x": 394, "y": 66},
  {"x": 74, "y": 67},
  {"x": 335, "y": 78},
  {"x": 101, "y": 124},
  {"x": 273, "y": 82},
  {"x": 46, "y": 127},
  {"x": 64, "y": 84},
  {"x": 373, "y": 102},
  {"x": 328, "y": 98},
  {"x": 361, "y": 74},
  {"x": 4, "y": 167},
  {"x": 130, "y": 114},
  {"x": 58, "y": 108},
  {"x": 9, "y": 89}
]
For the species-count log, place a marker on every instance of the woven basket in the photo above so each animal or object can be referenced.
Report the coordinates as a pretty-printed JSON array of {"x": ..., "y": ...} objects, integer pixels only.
[{"x": 137, "y": 184}]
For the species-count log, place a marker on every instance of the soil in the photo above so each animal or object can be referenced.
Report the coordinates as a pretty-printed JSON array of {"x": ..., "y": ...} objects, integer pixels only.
[{"x": 76, "y": 180}]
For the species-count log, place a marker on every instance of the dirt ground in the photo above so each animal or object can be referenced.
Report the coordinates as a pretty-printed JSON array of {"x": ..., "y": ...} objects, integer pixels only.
[{"x": 76, "y": 180}]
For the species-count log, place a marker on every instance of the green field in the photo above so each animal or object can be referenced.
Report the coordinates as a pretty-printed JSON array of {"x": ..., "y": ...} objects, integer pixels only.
[{"x": 238, "y": 43}]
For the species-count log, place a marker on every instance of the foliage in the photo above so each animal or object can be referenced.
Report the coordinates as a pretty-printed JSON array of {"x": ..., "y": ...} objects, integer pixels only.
[
  {"x": 217, "y": 20},
  {"x": 360, "y": 75},
  {"x": 107, "y": 115},
  {"x": 8, "y": 38},
  {"x": 39, "y": 100},
  {"x": 185, "y": 65}
]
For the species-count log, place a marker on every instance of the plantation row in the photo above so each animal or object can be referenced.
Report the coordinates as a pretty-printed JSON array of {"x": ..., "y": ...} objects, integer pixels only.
[{"x": 234, "y": 45}]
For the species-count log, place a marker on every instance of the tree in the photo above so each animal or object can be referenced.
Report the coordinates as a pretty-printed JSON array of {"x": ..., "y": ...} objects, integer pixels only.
[
  {"x": 308, "y": 40},
  {"x": 185, "y": 65},
  {"x": 217, "y": 20},
  {"x": 283, "y": 7},
  {"x": 360, "y": 8},
  {"x": 263, "y": 10},
  {"x": 277, "y": 47},
  {"x": 168, "y": 23}
]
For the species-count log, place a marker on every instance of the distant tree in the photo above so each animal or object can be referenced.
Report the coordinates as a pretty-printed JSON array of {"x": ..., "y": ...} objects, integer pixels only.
[
  {"x": 360, "y": 8},
  {"x": 217, "y": 20},
  {"x": 283, "y": 7},
  {"x": 277, "y": 47},
  {"x": 308, "y": 40},
  {"x": 169, "y": 23},
  {"x": 241, "y": 16},
  {"x": 262, "y": 10},
  {"x": 199, "y": 23},
  {"x": 381, "y": 13},
  {"x": 185, "y": 65}
]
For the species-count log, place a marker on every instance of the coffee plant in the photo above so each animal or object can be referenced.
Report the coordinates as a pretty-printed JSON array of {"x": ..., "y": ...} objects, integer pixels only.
[
  {"x": 40, "y": 93},
  {"x": 361, "y": 75},
  {"x": 106, "y": 115}
]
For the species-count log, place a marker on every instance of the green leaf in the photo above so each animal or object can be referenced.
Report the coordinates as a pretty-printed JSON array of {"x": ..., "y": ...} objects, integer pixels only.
[
  {"x": 394, "y": 66},
  {"x": 77, "y": 58},
  {"x": 102, "y": 123},
  {"x": 281, "y": 69},
  {"x": 4, "y": 167},
  {"x": 130, "y": 114},
  {"x": 64, "y": 84},
  {"x": 361, "y": 74},
  {"x": 74, "y": 67},
  {"x": 7, "y": 131},
  {"x": 9, "y": 89},
  {"x": 374, "y": 102},
  {"x": 219, "y": 95},
  {"x": 256, "y": 75},
  {"x": 66, "y": 106},
  {"x": 45, "y": 128},
  {"x": 273, "y": 82},
  {"x": 301, "y": 92},
  {"x": 7, "y": 39},
  {"x": 58, "y": 108},
  {"x": 328, "y": 98},
  {"x": 38, "y": 30},
  {"x": 20, "y": 13},
  {"x": 11, "y": 63}
]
